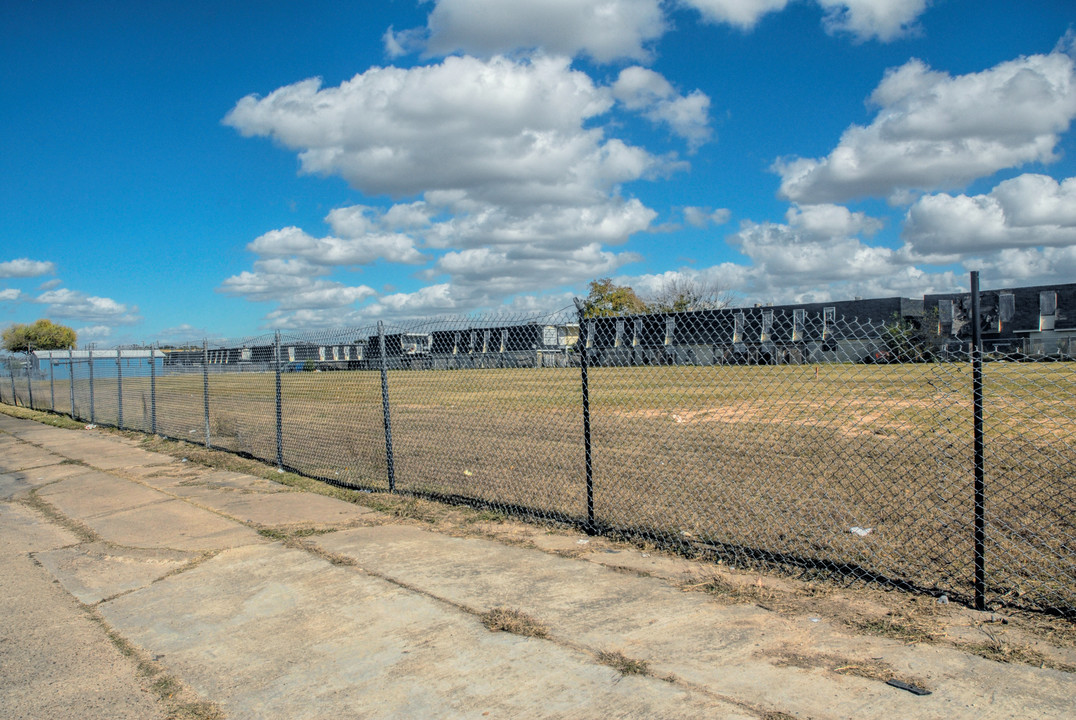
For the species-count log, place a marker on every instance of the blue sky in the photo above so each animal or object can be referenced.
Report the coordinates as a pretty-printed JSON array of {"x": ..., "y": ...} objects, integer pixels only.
[{"x": 178, "y": 170}]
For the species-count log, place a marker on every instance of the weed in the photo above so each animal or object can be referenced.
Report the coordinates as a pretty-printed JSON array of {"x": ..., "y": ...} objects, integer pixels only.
[
  {"x": 871, "y": 668},
  {"x": 622, "y": 663},
  {"x": 898, "y": 625},
  {"x": 307, "y": 532},
  {"x": 517, "y": 622},
  {"x": 272, "y": 533}
]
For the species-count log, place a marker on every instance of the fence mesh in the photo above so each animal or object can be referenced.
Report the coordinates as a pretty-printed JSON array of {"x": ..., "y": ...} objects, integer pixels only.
[{"x": 756, "y": 437}]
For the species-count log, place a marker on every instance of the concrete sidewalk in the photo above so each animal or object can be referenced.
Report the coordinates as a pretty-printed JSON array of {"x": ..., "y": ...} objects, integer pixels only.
[{"x": 366, "y": 617}]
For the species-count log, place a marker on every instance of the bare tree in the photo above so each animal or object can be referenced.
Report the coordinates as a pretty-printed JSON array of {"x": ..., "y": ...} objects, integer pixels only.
[{"x": 680, "y": 293}]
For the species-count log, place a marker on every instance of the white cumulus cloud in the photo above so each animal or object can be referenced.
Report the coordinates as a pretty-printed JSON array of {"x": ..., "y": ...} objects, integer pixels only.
[
  {"x": 605, "y": 30},
  {"x": 701, "y": 217},
  {"x": 1026, "y": 266},
  {"x": 934, "y": 131},
  {"x": 643, "y": 90},
  {"x": 497, "y": 130},
  {"x": 77, "y": 305},
  {"x": 497, "y": 167},
  {"x": 1027, "y": 211},
  {"x": 743, "y": 14},
  {"x": 866, "y": 19},
  {"x": 24, "y": 268}
]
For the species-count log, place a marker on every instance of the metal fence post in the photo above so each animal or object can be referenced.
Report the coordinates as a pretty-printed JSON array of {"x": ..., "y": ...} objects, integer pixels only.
[
  {"x": 153, "y": 388},
  {"x": 585, "y": 380},
  {"x": 89, "y": 362},
  {"x": 385, "y": 407},
  {"x": 279, "y": 410},
  {"x": 71, "y": 379},
  {"x": 29, "y": 385},
  {"x": 977, "y": 411},
  {"x": 205, "y": 387},
  {"x": 52, "y": 384},
  {"x": 119, "y": 389},
  {"x": 11, "y": 375}
]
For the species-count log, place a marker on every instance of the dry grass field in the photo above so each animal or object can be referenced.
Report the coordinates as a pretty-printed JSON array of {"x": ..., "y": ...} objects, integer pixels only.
[{"x": 777, "y": 462}]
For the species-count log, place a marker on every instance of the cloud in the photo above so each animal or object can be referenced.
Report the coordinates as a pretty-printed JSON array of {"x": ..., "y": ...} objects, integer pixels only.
[
  {"x": 933, "y": 131},
  {"x": 181, "y": 333},
  {"x": 820, "y": 253},
  {"x": 24, "y": 268},
  {"x": 604, "y": 30},
  {"x": 498, "y": 130},
  {"x": 513, "y": 189},
  {"x": 93, "y": 334},
  {"x": 865, "y": 19},
  {"x": 648, "y": 92},
  {"x": 77, "y": 305},
  {"x": 362, "y": 250},
  {"x": 701, "y": 217},
  {"x": 743, "y": 14},
  {"x": 1026, "y": 266},
  {"x": 294, "y": 292},
  {"x": 819, "y": 242},
  {"x": 10, "y": 294},
  {"x": 1027, "y": 211},
  {"x": 404, "y": 42}
]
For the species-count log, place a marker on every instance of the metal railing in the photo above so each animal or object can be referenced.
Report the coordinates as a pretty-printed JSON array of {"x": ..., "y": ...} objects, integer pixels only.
[{"x": 807, "y": 444}]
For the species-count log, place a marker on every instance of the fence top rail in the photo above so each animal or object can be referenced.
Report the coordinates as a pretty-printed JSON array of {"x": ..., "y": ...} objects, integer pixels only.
[{"x": 97, "y": 354}]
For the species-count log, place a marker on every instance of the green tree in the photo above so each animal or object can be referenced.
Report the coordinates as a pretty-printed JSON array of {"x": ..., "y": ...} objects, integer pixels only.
[
  {"x": 607, "y": 299},
  {"x": 41, "y": 335},
  {"x": 910, "y": 341}
]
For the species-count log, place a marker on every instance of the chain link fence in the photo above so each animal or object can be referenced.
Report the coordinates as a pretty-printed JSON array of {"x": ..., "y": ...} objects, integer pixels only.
[{"x": 792, "y": 441}]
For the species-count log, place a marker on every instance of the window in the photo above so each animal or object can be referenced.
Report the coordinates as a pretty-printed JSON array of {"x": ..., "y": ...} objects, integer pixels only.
[
  {"x": 829, "y": 319},
  {"x": 945, "y": 312},
  {"x": 799, "y": 319},
  {"x": 767, "y": 325},
  {"x": 504, "y": 339},
  {"x": 670, "y": 330},
  {"x": 638, "y": 331},
  {"x": 737, "y": 327},
  {"x": 1047, "y": 309},
  {"x": 1006, "y": 307},
  {"x": 485, "y": 341},
  {"x": 619, "y": 334}
]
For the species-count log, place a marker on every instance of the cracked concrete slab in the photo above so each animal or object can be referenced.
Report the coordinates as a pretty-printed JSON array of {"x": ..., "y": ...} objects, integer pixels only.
[
  {"x": 172, "y": 524},
  {"x": 54, "y": 661},
  {"x": 369, "y": 649},
  {"x": 23, "y": 531},
  {"x": 24, "y": 457},
  {"x": 281, "y": 509},
  {"x": 20, "y": 483},
  {"x": 91, "y": 493},
  {"x": 95, "y": 571},
  {"x": 733, "y": 651},
  {"x": 201, "y": 480},
  {"x": 110, "y": 457}
]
